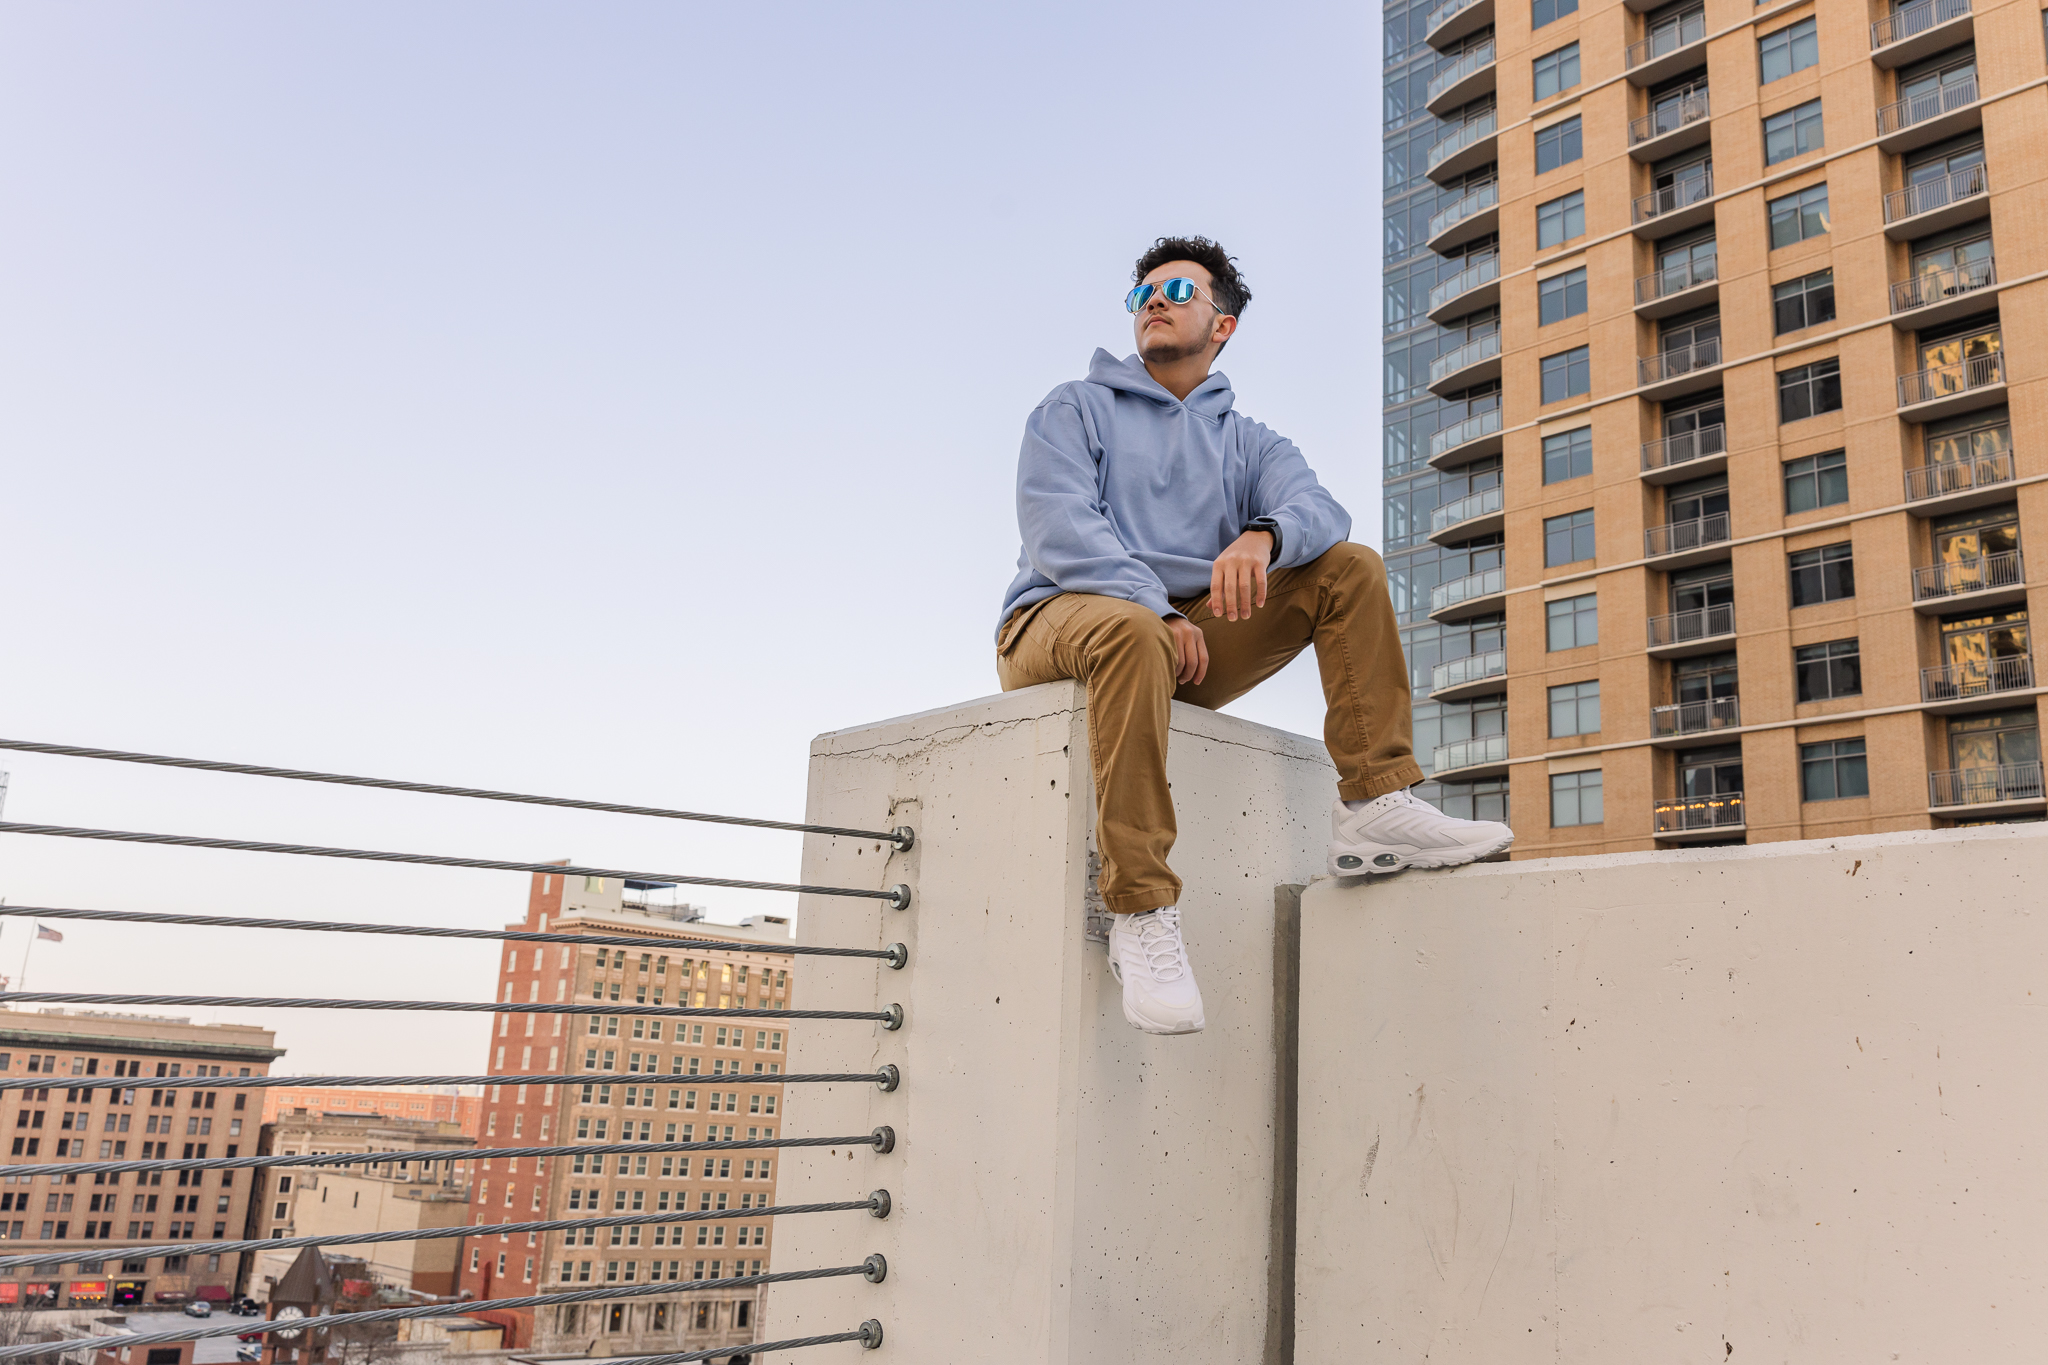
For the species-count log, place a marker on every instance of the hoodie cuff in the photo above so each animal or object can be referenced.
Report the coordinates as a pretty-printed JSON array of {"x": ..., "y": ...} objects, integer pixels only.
[
  {"x": 1290, "y": 538},
  {"x": 1153, "y": 599}
]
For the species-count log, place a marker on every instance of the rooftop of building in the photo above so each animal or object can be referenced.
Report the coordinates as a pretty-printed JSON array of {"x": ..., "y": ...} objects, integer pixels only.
[{"x": 164, "y": 1035}]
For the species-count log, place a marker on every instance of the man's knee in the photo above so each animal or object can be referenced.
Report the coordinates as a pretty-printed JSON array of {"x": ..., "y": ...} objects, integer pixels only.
[
  {"x": 1126, "y": 635},
  {"x": 1358, "y": 562}
]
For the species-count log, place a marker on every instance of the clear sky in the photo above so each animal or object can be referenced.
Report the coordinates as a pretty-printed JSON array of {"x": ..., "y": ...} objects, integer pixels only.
[{"x": 597, "y": 400}]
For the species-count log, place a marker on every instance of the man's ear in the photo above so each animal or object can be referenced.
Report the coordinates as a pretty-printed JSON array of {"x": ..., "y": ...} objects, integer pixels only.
[{"x": 1225, "y": 328}]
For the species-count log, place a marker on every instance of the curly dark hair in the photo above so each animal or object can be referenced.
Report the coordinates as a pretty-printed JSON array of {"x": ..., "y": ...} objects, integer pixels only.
[{"x": 1227, "y": 284}]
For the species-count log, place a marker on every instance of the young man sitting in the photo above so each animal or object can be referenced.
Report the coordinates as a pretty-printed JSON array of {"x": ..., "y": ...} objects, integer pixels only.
[{"x": 1176, "y": 550}]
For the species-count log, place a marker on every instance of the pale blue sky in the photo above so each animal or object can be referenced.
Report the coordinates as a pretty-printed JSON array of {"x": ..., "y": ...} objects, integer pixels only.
[{"x": 595, "y": 400}]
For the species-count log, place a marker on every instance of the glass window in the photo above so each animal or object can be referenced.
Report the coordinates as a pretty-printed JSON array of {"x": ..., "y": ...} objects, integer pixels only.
[
  {"x": 1799, "y": 215},
  {"x": 1542, "y": 12},
  {"x": 1556, "y": 71},
  {"x": 1560, "y": 297},
  {"x": 1808, "y": 390},
  {"x": 1834, "y": 669},
  {"x": 1816, "y": 481},
  {"x": 1575, "y": 799},
  {"x": 1789, "y": 50},
  {"x": 1795, "y": 132},
  {"x": 1570, "y": 373},
  {"x": 1824, "y": 575},
  {"x": 1573, "y": 621},
  {"x": 1575, "y": 709},
  {"x": 1561, "y": 219},
  {"x": 1558, "y": 144},
  {"x": 1568, "y": 539},
  {"x": 1568, "y": 455},
  {"x": 1833, "y": 771},
  {"x": 1804, "y": 302}
]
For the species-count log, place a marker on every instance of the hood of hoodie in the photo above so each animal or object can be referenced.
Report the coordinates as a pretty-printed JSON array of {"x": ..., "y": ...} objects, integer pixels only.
[{"x": 1211, "y": 398}]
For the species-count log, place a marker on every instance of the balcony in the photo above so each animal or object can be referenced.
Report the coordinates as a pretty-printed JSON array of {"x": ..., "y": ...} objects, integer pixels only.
[
  {"x": 1471, "y": 147},
  {"x": 1929, "y": 117},
  {"x": 1455, "y": 19},
  {"x": 1982, "y": 685},
  {"x": 1944, "y": 390},
  {"x": 1480, "y": 756},
  {"x": 1664, "y": 54},
  {"x": 1914, "y": 31},
  {"x": 1468, "y": 518},
  {"x": 1686, "y": 202},
  {"x": 1678, "y": 288},
  {"x": 1986, "y": 581},
  {"x": 1702, "y": 630},
  {"x": 1682, "y": 370},
  {"x": 1463, "y": 81},
  {"x": 1680, "y": 544},
  {"x": 1936, "y": 205},
  {"x": 1475, "y": 438},
  {"x": 1475, "y": 287},
  {"x": 1687, "y": 455},
  {"x": 1938, "y": 296},
  {"x": 1699, "y": 818},
  {"x": 1475, "y": 215},
  {"x": 1475, "y": 594},
  {"x": 1687, "y": 719},
  {"x": 1474, "y": 676},
  {"x": 1958, "y": 485},
  {"x": 1672, "y": 127},
  {"x": 2009, "y": 789},
  {"x": 1475, "y": 362}
]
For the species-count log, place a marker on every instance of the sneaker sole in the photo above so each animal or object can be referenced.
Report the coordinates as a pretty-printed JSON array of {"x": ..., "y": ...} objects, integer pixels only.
[{"x": 1369, "y": 859}]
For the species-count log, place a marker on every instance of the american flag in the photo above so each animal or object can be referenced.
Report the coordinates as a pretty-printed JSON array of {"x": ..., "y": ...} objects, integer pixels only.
[{"x": 43, "y": 932}]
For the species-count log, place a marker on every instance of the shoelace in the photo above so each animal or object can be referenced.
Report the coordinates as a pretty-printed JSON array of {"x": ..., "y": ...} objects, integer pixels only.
[{"x": 1159, "y": 942}]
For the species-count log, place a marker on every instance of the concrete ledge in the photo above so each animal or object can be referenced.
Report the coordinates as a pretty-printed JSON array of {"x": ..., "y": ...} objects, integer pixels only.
[{"x": 1778, "y": 1103}]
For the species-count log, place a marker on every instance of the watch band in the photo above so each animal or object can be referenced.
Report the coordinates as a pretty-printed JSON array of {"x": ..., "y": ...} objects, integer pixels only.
[{"x": 1271, "y": 528}]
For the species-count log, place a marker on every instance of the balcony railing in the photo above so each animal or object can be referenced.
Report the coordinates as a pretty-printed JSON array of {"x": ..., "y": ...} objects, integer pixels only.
[
  {"x": 1958, "y": 476},
  {"x": 1677, "y": 278},
  {"x": 1680, "y": 193},
  {"x": 1465, "y": 753},
  {"x": 1689, "y": 107},
  {"x": 1942, "y": 381},
  {"x": 1694, "y": 717},
  {"x": 1483, "y": 270},
  {"x": 1679, "y": 536},
  {"x": 1939, "y": 193},
  {"x": 1689, "y": 29},
  {"x": 1914, "y": 20},
  {"x": 1477, "y": 59},
  {"x": 1694, "y": 813},
  {"x": 1979, "y": 786},
  {"x": 1701, "y": 355},
  {"x": 1701, "y": 623},
  {"x": 1978, "y": 678},
  {"x": 2004, "y": 570},
  {"x": 1485, "y": 583},
  {"x": 1928, "y": 104},
  {"x": 1471, "y": 429},
  {"x": 1443, "y": 12},
  {"x": 1933, "y": 286},
  {"x": 1471, "y": 353},
  {"x": 1477, "y": 129},
  {"x": 1686, "y": 445},
  {"x": 1472, "y": 505},
  {"x": 1477, "y": 199},
  {"x": 1473, "y": 668}
]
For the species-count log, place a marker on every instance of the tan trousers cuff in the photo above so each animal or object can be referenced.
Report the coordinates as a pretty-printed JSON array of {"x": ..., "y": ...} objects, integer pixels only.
[
  {"x": 1138, "y": 902},
  {"x": 1379, "y": 784}
]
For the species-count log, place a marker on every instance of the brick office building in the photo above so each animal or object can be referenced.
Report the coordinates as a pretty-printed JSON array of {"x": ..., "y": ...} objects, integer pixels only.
[{"x": 416, "y": 1103}]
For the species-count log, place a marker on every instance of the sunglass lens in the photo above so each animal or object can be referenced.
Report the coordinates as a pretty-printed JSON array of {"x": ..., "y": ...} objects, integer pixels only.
[
  {"x": 1137, "y": 298},
  {"x": 1180, "y": 290}
]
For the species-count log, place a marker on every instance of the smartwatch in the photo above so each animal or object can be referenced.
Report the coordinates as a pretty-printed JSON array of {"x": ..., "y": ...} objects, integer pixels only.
[{"x": 1271, "y": 528}]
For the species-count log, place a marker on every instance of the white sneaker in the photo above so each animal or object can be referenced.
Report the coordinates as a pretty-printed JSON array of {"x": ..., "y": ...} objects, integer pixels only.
[
  {"x": 1402, "y": 830},
  {"x": 1146, "y": 954}
]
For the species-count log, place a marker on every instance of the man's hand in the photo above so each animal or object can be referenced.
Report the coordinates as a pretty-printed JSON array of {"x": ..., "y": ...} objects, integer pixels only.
[
  {"x": 1237, "y": 581},
  {"x": 1190, "y": 650}
]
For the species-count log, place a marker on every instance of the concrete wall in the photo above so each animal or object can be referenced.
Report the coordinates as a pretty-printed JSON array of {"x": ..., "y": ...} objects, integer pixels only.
[
  {"x": 1067, "y": 1189},
  {"x": 1779, "y": 1103}
]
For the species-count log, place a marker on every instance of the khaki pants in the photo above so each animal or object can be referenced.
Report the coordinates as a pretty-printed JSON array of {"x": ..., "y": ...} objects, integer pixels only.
[{"x": 1124, "y": 653}]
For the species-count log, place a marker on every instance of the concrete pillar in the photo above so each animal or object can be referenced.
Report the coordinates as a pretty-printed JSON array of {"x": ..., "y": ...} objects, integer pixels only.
[{"x": 1067, "y": 1190}]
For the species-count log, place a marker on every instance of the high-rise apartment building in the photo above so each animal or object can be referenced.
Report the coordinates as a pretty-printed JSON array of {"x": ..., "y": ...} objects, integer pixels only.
[
  {"x": 99, "y": 1104},
  {"x": 1707, "y": 336},
  {"x": 662, "y": 1080}
]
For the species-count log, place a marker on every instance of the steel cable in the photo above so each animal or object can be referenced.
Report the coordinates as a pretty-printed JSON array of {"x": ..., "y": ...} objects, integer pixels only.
[
  {"x": 896, "y": 954},
  {"x": 899, "y": 896},
  {"x": 289, "y": 1002},
  {"x": 878, "y": 1204},
  {"x": 888, "y": 1077},
  {"x": 869, "y": 1335},
  {"x": 901, "y": 837}
]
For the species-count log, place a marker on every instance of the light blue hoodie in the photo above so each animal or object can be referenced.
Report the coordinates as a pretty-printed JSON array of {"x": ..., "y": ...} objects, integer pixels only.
[{"x": 1126, "y": 491}]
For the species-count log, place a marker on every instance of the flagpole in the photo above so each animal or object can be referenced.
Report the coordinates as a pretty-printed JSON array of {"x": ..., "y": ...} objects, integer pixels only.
[{"x": 25, "y": 952}]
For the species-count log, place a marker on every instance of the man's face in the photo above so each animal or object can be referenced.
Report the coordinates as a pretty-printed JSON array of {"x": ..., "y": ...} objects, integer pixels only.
[{"x": 1167, "y": 332}]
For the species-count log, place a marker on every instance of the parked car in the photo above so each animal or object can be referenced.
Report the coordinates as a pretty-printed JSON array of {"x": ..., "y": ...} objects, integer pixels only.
[
  {"x": 246, "y": 1307},
  {"x": 199, "y": 1308},
  {"x": 250, "y": 1352}
]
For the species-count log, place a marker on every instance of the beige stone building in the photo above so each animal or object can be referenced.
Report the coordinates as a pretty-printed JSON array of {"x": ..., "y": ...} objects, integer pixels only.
[
  {"x": 430, "y": 1190},
  {"x": 1726, "y": 313}
]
